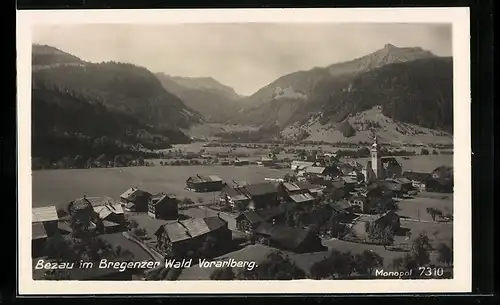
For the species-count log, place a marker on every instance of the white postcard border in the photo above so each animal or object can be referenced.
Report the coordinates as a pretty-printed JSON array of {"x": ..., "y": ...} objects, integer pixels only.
[{"x": 458, "y": 17}]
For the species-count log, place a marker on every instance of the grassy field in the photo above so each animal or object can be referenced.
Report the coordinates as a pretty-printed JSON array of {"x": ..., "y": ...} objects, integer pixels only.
[
  {"x": 416, "y": 207},
  {"x": 418, "y": 163},
  {"x": 59, "y": 187}
]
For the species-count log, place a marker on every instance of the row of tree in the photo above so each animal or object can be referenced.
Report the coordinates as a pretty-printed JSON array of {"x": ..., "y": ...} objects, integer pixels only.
[{"x": 340, "y": 265}]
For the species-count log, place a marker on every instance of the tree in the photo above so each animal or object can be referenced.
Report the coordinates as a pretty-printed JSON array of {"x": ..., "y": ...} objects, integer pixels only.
[
  {"x": 445, "y": 254},
  {"x": 343, "y": 264},
  {"x": 276, "y": 267},
  {"x": 433, "y": 212},
  {"x": 434, "y": 152},
  {"x": 225, "y": 274},
  {"x": 424, "y": 152},
  {"x": 421, "y": 247},
  {"x": 384, "y": 236},
  {"x": 346, "y": 129},
  {"x": 397, "y": 263},
  {"x": 208, "y": 247},
  {"x": 367, "y": 261},
  {"x": 321, "y": 269}
]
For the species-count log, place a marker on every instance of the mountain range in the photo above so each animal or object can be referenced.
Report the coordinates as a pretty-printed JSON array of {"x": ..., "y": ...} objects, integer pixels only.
[
  {"x": 214, "y": 101},
  {"x": 122, "y": 105},
  {"x": 410, "y": 84},
  {"x": 397, "y": 92}
]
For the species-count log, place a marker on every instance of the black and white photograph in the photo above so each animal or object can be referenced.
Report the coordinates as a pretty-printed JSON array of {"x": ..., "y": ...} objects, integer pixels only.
[{"x": 266, "y": 150}]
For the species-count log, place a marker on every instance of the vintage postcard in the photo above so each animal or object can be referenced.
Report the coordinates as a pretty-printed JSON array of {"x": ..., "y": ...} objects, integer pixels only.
[{"x": 244, "y": 151}]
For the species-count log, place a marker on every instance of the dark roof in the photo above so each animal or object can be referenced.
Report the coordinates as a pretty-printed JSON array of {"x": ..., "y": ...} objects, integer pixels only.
[
  {"x": 214, "y": 222},
  {"x": 252, "y": 216},
  {"x": 318, "y": 216},
  {"x": 288, "y": 237},
  {"x": 340, "y": 205},
  {"x": 236, "y": 193},
  {"x": 190, "y": 228},
  {"x": 307, "y": 185},
  {"x": 204, "y": 179},
  {"x": 270, "y": 213},
  {"x": 133, "y": 194},
  {"x": 417, "y": 176},
  {"x": 160, "y": 197},
  {"x": 87, "y": 202},
  {"x": 261, "y": 189}
]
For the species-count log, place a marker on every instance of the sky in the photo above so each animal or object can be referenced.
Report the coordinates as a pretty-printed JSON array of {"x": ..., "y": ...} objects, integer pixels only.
[{"x": 244, "y": 56}]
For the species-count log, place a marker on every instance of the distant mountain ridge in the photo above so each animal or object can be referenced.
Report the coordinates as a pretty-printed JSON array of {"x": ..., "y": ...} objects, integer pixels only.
[
  {"x": 411, "y": 85},
  {"x": 127, "y": 103},
  {"x": 215, "y": 101}
]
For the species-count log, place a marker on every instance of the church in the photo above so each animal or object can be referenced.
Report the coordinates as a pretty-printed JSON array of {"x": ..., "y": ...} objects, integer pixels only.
[{"x": 379, "y": 168}]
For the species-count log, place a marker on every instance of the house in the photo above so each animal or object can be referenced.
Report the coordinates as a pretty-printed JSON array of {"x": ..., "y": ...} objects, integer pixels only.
[
  {"x": 163, "y": 206},
  {"x": 184, "y": 238},
  {"x": 135, "y": 200},
  {"x": 314, "y": 189},
  {"x": 47, "y": 217},
  {"x": 98, "y": 213},
  {"x": 419, "y": 180},
  {"x": 249, "y": 220},
  {"x": 210, "y": 183},
  {"x": 399, "y": 186},
  {"x": 263, "y": 195},
  {"x": 349, "y": 183},
  {"x": 359, "y": 204},
  {"x": 361, "y": 224},
  {"x": 236, "y": 197},
  {"x": 266, "y": 161},
  {"x": 315, "y": 171},
  {"x": 299, "y": 194},
  {"x": 391, "y": 167},
  {"x": 301, "y": 165},
  {"x": 44, "y": 223},
  {"x": 241, "y": 162},
  {"x": 288, "y": 238}
]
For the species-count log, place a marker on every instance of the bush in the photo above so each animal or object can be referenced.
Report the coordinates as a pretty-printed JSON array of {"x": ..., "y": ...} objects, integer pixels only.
[{"x": 346, "y": 129}]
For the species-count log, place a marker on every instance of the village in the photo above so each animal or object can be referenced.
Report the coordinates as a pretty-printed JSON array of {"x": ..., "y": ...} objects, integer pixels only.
[{"x": 322, "y": 209}]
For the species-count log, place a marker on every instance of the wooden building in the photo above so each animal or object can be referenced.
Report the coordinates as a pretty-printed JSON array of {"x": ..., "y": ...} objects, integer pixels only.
[
  {"x": 98, "y": 213},
  {"x": 163, "y": 206},
  {"x": 361, "y": 223},
  {"x": 184, "y": 238},
  {"x": 288, "y": 238},
  {"x": 44, "y": 223},
  {"x": 210, "y": 183},
  {"x": 264, "y": 195},
  {"x": 419, "y": 180},
  {"x": 250, "y": 220},
  {"x": 135, "y": 200}
]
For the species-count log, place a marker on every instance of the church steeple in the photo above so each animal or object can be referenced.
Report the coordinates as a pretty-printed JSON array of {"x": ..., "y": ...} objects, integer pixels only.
[{"x": 376, "y": 162}]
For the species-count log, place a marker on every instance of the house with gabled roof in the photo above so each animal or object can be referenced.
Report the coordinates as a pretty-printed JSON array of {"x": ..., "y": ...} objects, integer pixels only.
[
  {"x": 209, "y": 183},
  {"x": 419, "y": 180},
  {"x": 44, "y": 223},
  {"x": 99, "y": 213},
  {"x": 179, "y": 238},
  {"x": 288, "y": 238},
  {"x": 135, "y": 200},
  {"x": 163, "y": 206},
  {"x": 249, "y": 220}
]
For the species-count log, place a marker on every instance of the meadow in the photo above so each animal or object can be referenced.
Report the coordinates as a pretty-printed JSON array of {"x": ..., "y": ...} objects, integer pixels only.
[{"x": 59, "y": 187}]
